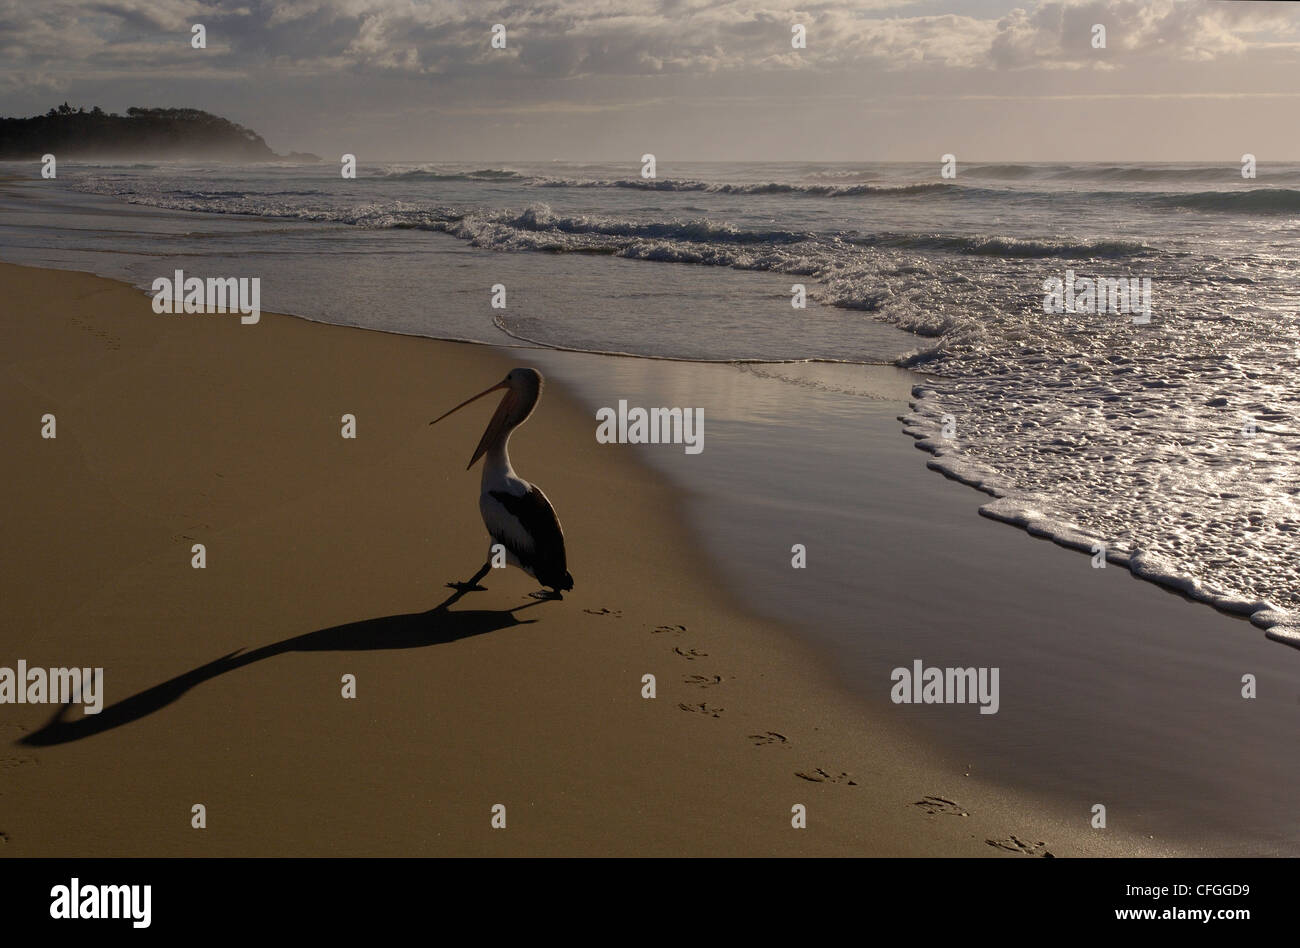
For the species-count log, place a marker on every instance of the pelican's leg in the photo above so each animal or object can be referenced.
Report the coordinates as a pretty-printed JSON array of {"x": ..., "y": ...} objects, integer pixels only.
[{"x": 472, "y": 585}]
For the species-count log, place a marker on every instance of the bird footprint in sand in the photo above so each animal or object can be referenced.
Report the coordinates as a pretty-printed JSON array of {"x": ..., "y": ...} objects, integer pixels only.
[
  {"x": 674, "y": 629},
  {"x": 769, "y": 737},
  {"x": 616, "y": 613},
  {"x": 1014, "y": 844},
  {"x": 821, "y": 776},
  {"x": 940, "y": 805},
  {"x": 12, "y": 763},
  {"x": 703, "y": 681},
  {"x": 702, "y": 709},
  {"x": 691, "y": 654}
]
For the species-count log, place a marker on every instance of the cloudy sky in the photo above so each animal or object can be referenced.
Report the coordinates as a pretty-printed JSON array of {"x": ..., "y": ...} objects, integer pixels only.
[{"x": 686, "y": 79}]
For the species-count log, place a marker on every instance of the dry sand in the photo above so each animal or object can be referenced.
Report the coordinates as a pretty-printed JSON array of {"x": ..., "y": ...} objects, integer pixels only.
[{"x": 328, "y": 557}]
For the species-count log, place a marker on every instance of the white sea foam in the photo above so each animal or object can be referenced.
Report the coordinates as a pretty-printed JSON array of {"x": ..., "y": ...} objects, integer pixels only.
[{"x": 1178, "y": 551}]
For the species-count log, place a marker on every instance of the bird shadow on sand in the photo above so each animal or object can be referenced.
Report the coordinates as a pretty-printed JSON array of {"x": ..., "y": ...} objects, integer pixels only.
[{"x": 438, "y": 626}]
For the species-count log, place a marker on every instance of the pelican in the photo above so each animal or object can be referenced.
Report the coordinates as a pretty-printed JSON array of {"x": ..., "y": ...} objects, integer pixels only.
[{"x": 516, "y": 513}]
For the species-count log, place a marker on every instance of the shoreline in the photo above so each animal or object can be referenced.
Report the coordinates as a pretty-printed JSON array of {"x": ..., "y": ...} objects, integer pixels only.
[
  {"x": 917, "y": 421},
  {"x": 639, "y": 766}
]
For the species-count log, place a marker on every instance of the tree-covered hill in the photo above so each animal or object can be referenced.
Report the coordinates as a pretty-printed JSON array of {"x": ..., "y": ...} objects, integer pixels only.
[{"x": 66, "y": 132}]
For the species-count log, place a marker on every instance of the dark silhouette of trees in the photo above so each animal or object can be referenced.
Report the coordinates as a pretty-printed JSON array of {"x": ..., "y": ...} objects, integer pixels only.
[{"x": 141, "y": 133}]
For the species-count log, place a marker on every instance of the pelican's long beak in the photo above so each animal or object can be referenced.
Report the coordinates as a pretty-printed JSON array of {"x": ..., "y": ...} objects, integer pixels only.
[{"x": 495, "y": 426}]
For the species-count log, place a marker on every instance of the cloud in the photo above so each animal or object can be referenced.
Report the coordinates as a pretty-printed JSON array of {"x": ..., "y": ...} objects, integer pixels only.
[
  {"x": 568, "y": 39},
  {"x": 1056, "y": 32}
]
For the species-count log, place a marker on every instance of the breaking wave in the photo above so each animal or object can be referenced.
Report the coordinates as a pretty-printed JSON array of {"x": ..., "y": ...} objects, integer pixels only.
[
  {"x": 769, "y": 187},
  {"x": 993, "y": 246},
  {"x": 1254, "y": 201},
  {"x": 432, "y": 174}
]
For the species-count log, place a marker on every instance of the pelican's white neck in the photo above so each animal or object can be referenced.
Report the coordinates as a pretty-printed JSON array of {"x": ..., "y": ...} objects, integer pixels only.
[
  {"x": 514, "y": 410},
  {"x": 496, "y": 463}
]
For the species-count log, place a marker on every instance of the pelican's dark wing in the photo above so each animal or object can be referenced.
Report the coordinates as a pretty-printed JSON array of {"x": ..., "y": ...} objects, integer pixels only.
[{"x": 541, "y": 547}]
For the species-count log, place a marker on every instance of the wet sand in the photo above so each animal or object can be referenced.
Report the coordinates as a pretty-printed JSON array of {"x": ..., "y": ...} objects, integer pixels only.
[{"x": 1113, "y": 690}]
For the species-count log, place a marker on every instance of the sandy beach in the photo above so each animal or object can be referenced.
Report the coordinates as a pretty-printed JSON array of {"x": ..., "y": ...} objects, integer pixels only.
[{"x": 329, "y": 557}]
